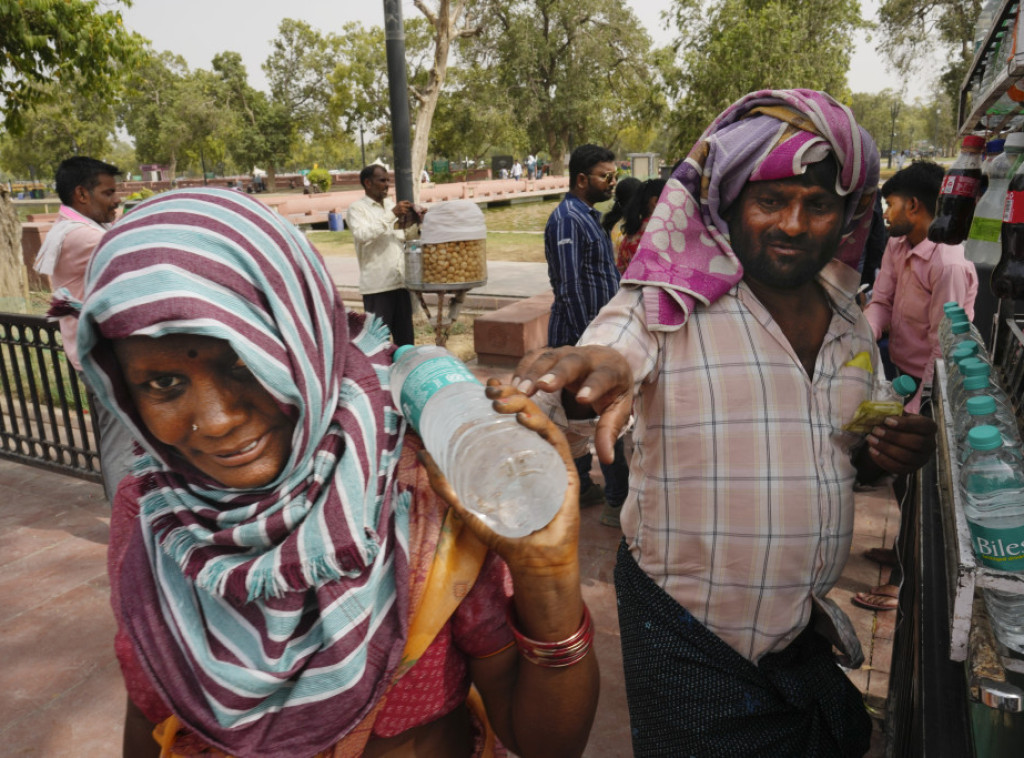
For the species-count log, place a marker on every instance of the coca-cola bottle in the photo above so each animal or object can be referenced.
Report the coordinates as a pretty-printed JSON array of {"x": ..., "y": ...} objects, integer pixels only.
[
  {"x": 1008, "y": 275},
  {"x": 955, "y": 209}
]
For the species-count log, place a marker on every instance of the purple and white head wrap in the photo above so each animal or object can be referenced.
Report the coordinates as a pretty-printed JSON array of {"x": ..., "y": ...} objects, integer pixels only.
[{"x": 684, "y": 256}]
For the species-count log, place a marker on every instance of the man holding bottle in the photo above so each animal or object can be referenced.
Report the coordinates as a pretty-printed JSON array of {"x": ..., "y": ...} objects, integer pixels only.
[{"x": 737, "y": 344}]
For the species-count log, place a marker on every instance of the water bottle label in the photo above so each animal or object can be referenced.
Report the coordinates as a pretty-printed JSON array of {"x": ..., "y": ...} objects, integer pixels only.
[
  {"x": 426, "y": 379},
  {"x": 985, "y": 229},
  {"x": 1001, "y": 549},
  {"x": 960, "y": 186},
  {"x": 1013, "y": 208}
]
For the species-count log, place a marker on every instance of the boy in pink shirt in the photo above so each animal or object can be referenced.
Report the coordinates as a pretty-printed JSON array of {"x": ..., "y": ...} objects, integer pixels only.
[{"x": 918, "y": 276}]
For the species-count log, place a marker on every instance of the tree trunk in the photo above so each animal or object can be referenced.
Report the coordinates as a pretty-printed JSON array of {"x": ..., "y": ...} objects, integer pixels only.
[
  {"x": 271, "y": 178},
  {"x": 13, "y": 277},
  {"x": 444, "y": 23}
]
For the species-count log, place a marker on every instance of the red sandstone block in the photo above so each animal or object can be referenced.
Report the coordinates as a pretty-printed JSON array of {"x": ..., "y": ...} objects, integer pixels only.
[{"x": 507, "y": 334}]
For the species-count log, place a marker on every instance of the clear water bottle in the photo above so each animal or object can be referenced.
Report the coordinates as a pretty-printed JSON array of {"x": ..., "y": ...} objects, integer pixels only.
[
  {"x": 982, "y": 244},
  {"x": 507, "y": 475},
  {"x": 960, "y": 330},
  {"x": 889, "y": 402},
  {"x": 1006, "y": 614},
  {"x": 950, "y": 309},
  {"x": 992, "y": 484},
  {"x": 970, "y": 367},
  {"x": 983, "y": 411},
  {"x": 973, "y": 386}
]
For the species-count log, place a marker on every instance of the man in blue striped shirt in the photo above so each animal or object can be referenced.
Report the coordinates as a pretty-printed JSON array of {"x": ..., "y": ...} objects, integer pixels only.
[{"x": 581, "y": 267}]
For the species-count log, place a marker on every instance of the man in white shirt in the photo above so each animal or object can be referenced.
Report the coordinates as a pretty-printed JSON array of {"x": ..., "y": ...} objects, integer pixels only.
[{"x": 378, "y": 226}]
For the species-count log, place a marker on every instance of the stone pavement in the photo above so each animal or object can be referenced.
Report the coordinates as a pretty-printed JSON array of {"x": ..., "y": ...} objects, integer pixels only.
[{"x": 60, "y": 686}]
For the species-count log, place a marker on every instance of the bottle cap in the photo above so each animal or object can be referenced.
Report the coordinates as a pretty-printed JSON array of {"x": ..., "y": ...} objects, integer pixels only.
[
  {"x": 984, "y": 437},
  {"x": 1014, "y": 142},
  {"x": 904, "y": 386},
  {"x": 968, "y": 348},
  {"x": 952, "y": 305},
  {"x": 981, "y": 405},
  {"x": 973, "y": 142},
  {"x": 960, "y": 326},
  {"x": 400, "y": 352},
  {"x": 976, "y": 382},
  {"x": 994, "y": 146},
  {"x": 975, "y": 367}
]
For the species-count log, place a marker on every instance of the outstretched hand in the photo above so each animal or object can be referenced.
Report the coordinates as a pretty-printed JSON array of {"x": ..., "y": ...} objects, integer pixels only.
[
  {"x": 593, "y": 380},
  {"x": 547, "y": 549}
]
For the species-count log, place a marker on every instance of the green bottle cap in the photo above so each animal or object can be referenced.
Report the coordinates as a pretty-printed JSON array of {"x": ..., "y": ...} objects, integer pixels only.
[
  {"x": 976, "y": 382},
  {"x": 968, "y": 348},
  {"x": 400, "y": 352},
  {"x": 984, "y": 437},
  {"x": 975, "y": 367},
  {"x": 904, "y": 386},
  {"x": 961, "y": 327},
  {"x": 981, "y": 405},
  {"x": 950, "y": 306}
]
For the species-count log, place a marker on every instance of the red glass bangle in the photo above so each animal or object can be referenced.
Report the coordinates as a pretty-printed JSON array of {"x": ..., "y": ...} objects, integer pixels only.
[{"x": 555, "y": 654}]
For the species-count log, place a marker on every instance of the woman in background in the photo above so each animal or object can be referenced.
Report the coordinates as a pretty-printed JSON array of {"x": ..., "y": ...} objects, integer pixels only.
[{"x": 634, "y": 223}]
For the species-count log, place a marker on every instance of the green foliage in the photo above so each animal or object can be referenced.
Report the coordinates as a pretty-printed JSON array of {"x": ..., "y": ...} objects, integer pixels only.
[
  {"x": 733, "y": 47},
  {"x": 142, "y": 194},
  {"x": 572, "y": 72},
  {"x": 321, "y": 177},
  {"x": 68, "y": 120},
  {"x": 47, "y": 42}
]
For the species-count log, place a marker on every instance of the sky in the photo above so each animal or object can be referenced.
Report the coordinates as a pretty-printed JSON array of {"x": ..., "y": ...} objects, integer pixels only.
[{"x": 199, "y": 29}]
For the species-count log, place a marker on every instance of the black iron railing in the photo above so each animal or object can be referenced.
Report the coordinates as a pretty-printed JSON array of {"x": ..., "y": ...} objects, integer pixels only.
[{"x": 44, "y": 416}]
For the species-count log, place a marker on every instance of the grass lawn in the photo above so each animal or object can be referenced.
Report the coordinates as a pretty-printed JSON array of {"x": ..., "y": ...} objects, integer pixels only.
[{"x": 514, "y": 233}]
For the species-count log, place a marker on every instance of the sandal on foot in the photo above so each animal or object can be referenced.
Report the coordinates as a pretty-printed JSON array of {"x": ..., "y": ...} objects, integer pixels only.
[
  {"x": 881, "y": 555},
  {"x": 884, "y": 597}
]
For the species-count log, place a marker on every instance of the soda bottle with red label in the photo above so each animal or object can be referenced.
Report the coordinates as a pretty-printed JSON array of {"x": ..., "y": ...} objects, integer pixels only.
[
  {"x": 1008, "y": 275},
  {"x": 955, "y": 209}
]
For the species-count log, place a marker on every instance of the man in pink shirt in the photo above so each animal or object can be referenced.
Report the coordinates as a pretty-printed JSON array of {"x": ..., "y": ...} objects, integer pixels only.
[
  {"x": 918, "y": 276},
  {"x": 88, "y": 194}
]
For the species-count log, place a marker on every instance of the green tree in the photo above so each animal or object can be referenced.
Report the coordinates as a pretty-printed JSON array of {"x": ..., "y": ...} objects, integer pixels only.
[
  {"x": 913, "y": 29},
  {"x": 175, "y": 115},
  {"x": 575, "y": 70},
  {"x": 70, "y": 120},
  {"x": 46, "y": 41},
  {"x": 301, "y": 60},
  {"x": 359, "y": 81},
  {"x": 263, "y": 129},
  {"x": 733, "y": 47}
]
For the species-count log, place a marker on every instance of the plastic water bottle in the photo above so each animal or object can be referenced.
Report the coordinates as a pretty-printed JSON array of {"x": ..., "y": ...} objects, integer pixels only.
[
  {"x": 1006, "y": 614},
  {"x": 892, "y": 398},
  {"x": 984, "y": 411},
  {"x": 950, "y": 309},
  {"x": 982, "y": 244},
  {"x": 507, "y": 475},
  {"x": 992, "y": 484},
  {"x": 967, "y": 367},
  {"x": 960, "y": 330},
  {"x": 972, "y": 387}
]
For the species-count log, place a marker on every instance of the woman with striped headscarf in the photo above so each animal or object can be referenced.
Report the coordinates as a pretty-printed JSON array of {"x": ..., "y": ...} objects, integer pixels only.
[{"x": 285, "y": 580}]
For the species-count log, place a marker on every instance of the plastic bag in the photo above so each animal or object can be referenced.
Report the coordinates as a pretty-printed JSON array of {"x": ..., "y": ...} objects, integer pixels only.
[{"x": 453, "y": 221}]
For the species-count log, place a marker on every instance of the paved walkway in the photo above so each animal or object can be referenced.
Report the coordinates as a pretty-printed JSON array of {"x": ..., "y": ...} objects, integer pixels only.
[{"x": 60, "y": 686}]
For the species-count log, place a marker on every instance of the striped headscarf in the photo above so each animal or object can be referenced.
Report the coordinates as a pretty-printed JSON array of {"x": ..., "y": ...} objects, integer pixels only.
[
  {"x": 684, "y": 256},
  {"x": 270, "y": 621}
]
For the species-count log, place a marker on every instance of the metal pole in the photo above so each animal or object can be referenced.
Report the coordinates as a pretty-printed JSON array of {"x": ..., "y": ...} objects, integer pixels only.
[
  {"x": 394, "y": 36},
  {"x": 362, "y": 143}
]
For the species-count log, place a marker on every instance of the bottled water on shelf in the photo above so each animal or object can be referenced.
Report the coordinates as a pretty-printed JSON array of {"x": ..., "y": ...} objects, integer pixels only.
[
  {"x": 992, "y": 485},
  {"x": 982, "y": 410},
  {"x": 509, "y": 476},
  {"x": 1006, "y": 614}
]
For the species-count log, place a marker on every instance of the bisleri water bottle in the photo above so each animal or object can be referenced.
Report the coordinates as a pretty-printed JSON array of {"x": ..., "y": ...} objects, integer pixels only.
[{"x": 509, "y": 476}]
